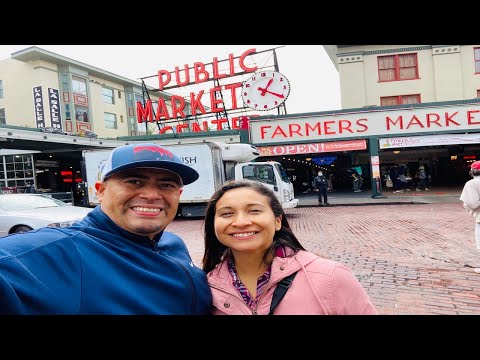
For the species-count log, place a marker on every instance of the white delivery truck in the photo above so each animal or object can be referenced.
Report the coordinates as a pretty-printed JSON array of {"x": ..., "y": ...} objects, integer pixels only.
[{"x": 216, "y": 163}]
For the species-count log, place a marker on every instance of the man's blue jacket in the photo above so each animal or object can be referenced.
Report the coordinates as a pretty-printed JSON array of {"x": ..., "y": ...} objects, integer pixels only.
[{"x": 95, "y": 267}]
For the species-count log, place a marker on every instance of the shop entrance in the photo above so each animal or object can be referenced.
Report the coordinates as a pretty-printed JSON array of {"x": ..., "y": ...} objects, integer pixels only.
[
  {"x": 303, "y": 168},
  {"x": 447, "y": 166}
]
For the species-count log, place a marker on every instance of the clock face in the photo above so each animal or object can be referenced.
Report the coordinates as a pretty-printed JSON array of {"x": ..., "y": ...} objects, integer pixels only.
[{"x": 265, "y": 90}]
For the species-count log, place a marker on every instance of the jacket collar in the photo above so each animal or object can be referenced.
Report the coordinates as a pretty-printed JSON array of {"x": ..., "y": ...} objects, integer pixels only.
[
  {"x": 99, "y": 220},
  {"x": 281, "y": 267}
]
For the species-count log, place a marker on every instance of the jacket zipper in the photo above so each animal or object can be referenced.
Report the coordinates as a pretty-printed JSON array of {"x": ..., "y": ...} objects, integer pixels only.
[
  {"x": 267, "y": 287},
  {"x": 189, "y": 277}
]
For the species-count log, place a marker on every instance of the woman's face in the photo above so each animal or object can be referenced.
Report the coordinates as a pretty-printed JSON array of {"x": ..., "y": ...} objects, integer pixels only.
[{"x": 244, "y": 221}]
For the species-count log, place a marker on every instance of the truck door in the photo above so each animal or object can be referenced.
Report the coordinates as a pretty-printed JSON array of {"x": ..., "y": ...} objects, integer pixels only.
[
  {"x": 261, "y": 172},
  {"x": 273, "y": 176}
]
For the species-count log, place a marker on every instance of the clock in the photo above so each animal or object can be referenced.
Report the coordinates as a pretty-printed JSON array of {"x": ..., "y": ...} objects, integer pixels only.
[{"x": 265, "y": 90}]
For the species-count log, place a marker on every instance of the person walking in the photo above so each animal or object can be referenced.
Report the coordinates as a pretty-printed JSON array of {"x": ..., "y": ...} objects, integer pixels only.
[
  {"x": 358, "y": 171},
  {"x": 394, "y": 177},
  {"x": 119, "y": 259},
  {"x": 30, "y": 188},
  {"x": 421, "y": 176},
  {"x": 253, "y": 258},
  {"x": 321, "y": 186},
  {"x": 470, "y": 197},
  {"x": 330, "y": 182}
]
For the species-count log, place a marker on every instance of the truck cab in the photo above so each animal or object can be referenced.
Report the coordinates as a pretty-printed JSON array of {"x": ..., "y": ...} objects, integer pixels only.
[{"x": 272, "y": 175}]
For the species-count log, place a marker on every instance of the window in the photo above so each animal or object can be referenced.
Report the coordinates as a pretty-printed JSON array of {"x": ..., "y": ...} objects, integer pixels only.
[
  {"x": 397, "y": 67},
  {"x": 262, "y": 173},
  {"x": 65, "y": 82},
  {"x": 131, "y": 125},
  {"x": 107, "y": 96},
  {"x": 79, "y": 86},
  {"x": 19, "y": 170},
  {"x": 68, "y": 115},
  {"x": 81, "y": 113},
  {"x": 3, "y": 119},
  {"x": 138, "y": 97},
  {"x": 130, "y": 100},
  {"x": 110, "y": 120},
  {"x": 1, "y": 89},
  {"x": 401, "y": 99},
  {"x": 476, "y": 53}
]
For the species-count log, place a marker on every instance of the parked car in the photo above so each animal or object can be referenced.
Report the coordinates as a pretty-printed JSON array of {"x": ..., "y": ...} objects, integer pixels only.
[
  {"x": 52, "y": 130},
  {"x": 25, "y": 212},
  {"x": 85, "y": 133}
]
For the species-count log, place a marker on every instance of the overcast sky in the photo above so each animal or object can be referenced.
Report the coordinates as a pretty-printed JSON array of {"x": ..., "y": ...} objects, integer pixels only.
[{"x": 313, "y": 78}]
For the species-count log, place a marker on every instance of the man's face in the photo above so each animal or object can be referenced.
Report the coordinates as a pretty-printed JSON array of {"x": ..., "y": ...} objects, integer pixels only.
[{"x": 142, "y": 201}]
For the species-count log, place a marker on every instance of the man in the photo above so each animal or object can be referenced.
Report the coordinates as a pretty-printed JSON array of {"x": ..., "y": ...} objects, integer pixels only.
[
  {"x": 321, "y": 185},
  {"x": 357, "y": 178},
  {"x": 471, "y": 200},
  {"x": 119, "y": 259},
  {"x": 30, "y": 188}
]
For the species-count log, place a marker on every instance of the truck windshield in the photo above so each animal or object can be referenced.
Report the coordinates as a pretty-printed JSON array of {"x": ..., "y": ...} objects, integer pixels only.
[
  {"x": 283, "y": 173},
  {"x": 263, "y": 173}
]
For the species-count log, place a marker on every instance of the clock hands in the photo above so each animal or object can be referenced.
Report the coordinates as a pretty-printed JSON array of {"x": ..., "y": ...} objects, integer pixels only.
[{"x": 264, "y": 91}]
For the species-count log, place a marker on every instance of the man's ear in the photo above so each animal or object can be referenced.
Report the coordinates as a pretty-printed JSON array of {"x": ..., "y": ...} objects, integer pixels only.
[
  {"x": 181, "y": 191},
  {"x": 100, "y": 187}
]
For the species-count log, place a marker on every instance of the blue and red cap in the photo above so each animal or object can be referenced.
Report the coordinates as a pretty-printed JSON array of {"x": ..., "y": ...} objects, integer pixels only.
[{"x": 147, "y": 155}]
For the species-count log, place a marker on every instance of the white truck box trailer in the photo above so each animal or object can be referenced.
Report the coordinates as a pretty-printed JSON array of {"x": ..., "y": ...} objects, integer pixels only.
[{"x": 216, "y": 163}]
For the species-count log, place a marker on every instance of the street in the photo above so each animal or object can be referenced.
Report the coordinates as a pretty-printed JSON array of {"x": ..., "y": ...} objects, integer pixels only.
[{"x": 410, "y": 258}]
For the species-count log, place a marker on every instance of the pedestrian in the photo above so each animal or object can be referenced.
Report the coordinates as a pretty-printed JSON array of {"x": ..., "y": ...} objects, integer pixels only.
[
  {"x": 251, "y": 253},
  {"x": 421, "y": 175},
  {"x": 471, "y": 201},
  {"x": 330, "y": 182},
  {"x": 393, "y": 172},
  {"x": 357, "y": 175},
  {"x": 117, "y": 260},
  {"x": 30, "y": 188},
  {"x": 321, "y": 186}
]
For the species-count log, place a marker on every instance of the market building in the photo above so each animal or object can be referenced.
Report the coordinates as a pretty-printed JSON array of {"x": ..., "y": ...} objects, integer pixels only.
[
  {"x": 71, "y": 101},
  {"x": 53, "y": 107},
  {"x": 401, "y": 104}
]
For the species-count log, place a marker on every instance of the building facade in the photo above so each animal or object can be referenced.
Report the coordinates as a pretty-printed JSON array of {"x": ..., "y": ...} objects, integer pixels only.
[
  {"x": 383, "y": 75},
  {"x": 411, "y": 105},
  {"x": 41, "y": 89},
  {"x": 406, "y": 105}
]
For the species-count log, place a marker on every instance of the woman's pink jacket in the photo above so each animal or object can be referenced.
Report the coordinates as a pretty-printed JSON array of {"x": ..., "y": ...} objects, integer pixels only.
[{"x": 321, "y": 287}]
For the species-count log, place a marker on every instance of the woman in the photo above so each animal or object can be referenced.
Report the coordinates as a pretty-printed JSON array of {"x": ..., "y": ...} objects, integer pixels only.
[{"x": 250, "y": 248}]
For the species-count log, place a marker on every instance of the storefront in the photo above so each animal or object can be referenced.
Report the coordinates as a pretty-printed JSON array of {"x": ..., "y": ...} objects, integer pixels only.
[{"x": 443, "y": 137}]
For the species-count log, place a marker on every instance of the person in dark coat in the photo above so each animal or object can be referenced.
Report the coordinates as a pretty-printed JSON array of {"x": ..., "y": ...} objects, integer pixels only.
[
  {"x": 30, "y": 189},
  {"x": 321, "y": 186},
  {"x": 394, "y": 176}
]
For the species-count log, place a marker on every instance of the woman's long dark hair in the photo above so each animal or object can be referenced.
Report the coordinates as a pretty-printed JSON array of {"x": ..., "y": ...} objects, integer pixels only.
[{"x": 214, "y": 249}]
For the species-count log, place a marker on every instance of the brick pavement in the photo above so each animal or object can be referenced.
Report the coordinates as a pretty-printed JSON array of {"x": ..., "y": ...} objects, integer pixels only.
[{"x": 409, "y": 258}]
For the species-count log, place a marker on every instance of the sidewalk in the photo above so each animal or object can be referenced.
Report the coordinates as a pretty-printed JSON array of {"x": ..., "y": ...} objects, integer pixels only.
[{"x": 346, "y": 197}]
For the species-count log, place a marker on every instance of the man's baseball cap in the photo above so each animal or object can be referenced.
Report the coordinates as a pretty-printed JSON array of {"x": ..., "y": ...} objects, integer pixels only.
[
  {"x": 147, "y": 155},
  {"x": 475, "y": 165}
]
